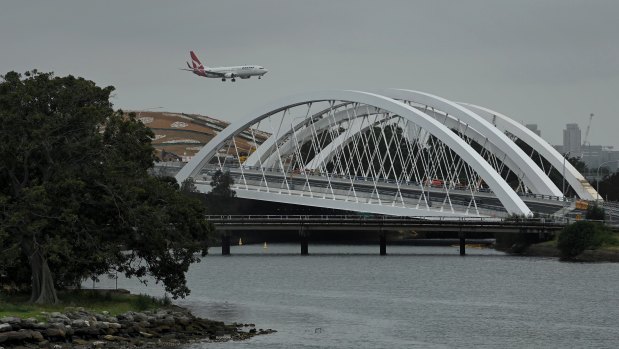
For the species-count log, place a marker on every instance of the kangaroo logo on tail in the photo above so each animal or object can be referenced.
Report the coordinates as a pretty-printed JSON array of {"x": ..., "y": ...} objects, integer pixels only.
[
  {"x": 197, "y": 68},
  {"x": 196, "y": 62}
]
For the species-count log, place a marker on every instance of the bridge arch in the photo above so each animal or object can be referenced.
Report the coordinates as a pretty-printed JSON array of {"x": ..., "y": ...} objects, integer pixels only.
[
  {"x": 458, "y": 117},
  {"x": 509, "y": 200},
  {"x": 575, "y": 179},
  {"x": 514, "y": 158}
]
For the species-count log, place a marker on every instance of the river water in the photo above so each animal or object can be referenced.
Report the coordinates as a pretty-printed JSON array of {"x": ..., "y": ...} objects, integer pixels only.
[{"x": 415, "y": 297}]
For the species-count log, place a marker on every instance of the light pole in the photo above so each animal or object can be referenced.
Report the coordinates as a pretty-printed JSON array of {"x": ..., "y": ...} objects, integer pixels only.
[
  {"x": 597, "y": 179},
  {"x": 564, "y": 157}
]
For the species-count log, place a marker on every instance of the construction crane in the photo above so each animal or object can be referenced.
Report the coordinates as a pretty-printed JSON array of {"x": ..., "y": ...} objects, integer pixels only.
[{"x": 585, "y": 140}]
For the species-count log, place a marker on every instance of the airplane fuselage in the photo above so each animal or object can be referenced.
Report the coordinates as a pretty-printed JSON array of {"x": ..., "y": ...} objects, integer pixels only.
[
  {"x": 223, "y": 73},
  {"x": 242, "y": 71}
]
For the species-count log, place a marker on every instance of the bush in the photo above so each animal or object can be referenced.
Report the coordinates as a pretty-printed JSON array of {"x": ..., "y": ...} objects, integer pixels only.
[
  {"x": 579, "y": 236},
  {"x": 595, "y": 212}
]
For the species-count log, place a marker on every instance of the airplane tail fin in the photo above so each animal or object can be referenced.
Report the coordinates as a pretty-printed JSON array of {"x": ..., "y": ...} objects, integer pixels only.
[{"x": 195, "y": 61}]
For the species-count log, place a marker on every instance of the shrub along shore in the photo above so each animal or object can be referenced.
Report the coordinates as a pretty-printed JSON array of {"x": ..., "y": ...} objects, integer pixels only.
[
  {"x": 111, "y": 320},
  {"x": 583, "y": 241}
]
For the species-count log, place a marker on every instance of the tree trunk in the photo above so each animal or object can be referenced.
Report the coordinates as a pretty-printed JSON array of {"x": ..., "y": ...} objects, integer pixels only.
[{"x": 43, "y": 290}]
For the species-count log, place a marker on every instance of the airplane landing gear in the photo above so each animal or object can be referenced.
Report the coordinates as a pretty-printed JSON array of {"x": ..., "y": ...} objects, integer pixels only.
[
  {"x": 260, "y": 77},
  {"x": 223, "y": 79},
  {"x": 233, "y": 79}
]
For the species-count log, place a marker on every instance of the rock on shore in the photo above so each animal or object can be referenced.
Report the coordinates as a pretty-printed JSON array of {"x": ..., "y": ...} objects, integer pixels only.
[{"x": 78, "y": 328}]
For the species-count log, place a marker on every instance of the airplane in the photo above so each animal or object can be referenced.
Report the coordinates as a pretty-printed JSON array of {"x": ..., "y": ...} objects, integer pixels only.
[{"x": 241, "y": 71}]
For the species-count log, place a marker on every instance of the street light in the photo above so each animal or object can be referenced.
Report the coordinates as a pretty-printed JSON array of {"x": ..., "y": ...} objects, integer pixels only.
[
  {"x": 597, "y": 179},
  {"x": 564, "y": 157}
]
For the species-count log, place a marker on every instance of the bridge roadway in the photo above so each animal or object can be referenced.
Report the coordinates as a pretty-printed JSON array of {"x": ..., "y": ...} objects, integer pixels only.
[
  {"x": 304, "y": 224},
  {"x": 487, "y": 203}
]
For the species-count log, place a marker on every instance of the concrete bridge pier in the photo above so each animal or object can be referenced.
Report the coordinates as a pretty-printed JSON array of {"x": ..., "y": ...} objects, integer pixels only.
[
  {"x": 225, "y": 243},
  {"x": 462, "y": 236},
  {"x": 304, "y": 237},
  {"x": 383, "y": 243}
]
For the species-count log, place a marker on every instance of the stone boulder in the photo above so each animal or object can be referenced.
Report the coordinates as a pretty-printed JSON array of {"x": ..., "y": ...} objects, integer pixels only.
[{"x": 5, "y": 328}]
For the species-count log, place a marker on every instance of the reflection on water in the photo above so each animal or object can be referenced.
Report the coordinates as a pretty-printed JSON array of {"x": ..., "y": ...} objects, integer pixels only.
[
  {"x": 223, "y": 310},
  {"x": 416, "y": 297}
]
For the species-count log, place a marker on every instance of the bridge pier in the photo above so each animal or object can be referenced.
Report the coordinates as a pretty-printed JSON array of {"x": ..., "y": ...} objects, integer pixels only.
[
  {"x": 225, "y": 243},
  {"x": 462, "y": 237},
  {"x": 304, "y": 237},
  {"x": 383, "y": 243}
]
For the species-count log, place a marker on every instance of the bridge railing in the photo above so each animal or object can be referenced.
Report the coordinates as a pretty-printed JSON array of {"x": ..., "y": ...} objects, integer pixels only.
[
  {"x": 376, "y": 218},
  {"x": 332, "y": 175}
]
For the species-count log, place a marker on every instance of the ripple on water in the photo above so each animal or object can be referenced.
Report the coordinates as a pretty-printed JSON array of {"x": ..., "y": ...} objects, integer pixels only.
[{"x": 416, "y": 297}]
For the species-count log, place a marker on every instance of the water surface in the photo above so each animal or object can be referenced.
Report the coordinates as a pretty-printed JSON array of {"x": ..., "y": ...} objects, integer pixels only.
[{"x": 416, "y": 297}]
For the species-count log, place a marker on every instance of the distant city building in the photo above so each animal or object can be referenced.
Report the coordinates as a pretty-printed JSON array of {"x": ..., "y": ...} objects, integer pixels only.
[
  {"x": 571, "y": 140},
  {"x": 533, "y": 127},
  {"x": 596, "y": 155},
  {"x": 593, "y": 156}
]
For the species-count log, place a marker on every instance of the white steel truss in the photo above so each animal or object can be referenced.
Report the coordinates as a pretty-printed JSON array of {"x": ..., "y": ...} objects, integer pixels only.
[
  {"x": 385, "y": 157},
  {"x": 541, "y": 148}
]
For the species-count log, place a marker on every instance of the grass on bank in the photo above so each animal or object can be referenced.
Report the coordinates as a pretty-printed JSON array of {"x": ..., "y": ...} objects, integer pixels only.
[{"x": 96, "y": 301}]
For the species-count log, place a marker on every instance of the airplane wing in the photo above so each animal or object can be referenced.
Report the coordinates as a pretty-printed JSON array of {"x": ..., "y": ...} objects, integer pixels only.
[
  {"x": 205, "y": 71},
  {"x": 222, "y": 75}
]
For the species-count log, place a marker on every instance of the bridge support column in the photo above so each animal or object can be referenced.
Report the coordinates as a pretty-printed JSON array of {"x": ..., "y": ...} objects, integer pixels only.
[
  {"x": 225, "y": 243},
  {"x": 304, "y": 235},
  {"x": 383, "y": 243},
  {"x": 462, "y": 237}
]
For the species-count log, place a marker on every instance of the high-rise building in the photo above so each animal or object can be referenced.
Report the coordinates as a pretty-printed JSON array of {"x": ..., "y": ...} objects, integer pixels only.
[
  {"x": 571, "y": 140},
  {"x": 533, "y": 127}
]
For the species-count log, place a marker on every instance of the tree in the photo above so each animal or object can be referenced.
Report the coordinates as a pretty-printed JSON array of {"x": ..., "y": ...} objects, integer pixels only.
[
  {"x": 221, "y": 185},
  {"x": 609, "y": 187},
  {"x": 221, "y": 199},
  {"x": 579, "y": 236},
  {"x": 595, "y": 212},
  {"x": 189, "y": 186},
  {"x": 76, "y": 189},
  {"x": 575, "y": 238}
]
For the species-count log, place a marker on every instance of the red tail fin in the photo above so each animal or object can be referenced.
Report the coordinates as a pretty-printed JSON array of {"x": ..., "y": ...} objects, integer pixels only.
[{"x": 196, "y": 62}]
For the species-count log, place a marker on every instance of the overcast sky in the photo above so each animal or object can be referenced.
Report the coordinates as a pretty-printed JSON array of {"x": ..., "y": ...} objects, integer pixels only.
[{"x": 547, "y": 62}]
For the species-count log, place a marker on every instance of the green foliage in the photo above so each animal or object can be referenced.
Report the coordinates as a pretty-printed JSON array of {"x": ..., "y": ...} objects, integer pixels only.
[
  {"x": 595, "y": 212},
  {"x": 221, "y": 199},
  {"x": 578, "y": 164},
  {"x": 609, "y": 187},
  {"x": 221, "y": 185},
  {"x": 189, "y": 186},
  {"x": 514, "y": 217},
  {"x": 583, "y": 235},
  {"x": 76, "y": 189}
]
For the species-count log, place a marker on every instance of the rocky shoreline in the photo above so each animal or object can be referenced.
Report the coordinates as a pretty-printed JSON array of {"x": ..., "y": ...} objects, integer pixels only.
[{"x": 79, "y": 328}]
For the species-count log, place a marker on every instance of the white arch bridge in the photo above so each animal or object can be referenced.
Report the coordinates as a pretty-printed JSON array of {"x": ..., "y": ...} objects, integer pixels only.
[{"x": 391, "y": 152}]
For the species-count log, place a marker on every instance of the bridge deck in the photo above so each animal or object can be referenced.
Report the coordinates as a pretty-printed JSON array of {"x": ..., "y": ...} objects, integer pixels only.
[{"x": 294, "y": 222}]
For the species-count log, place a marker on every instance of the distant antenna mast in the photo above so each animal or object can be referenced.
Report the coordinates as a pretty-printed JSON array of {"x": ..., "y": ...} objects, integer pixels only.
[{"x": 585, "y": 141}]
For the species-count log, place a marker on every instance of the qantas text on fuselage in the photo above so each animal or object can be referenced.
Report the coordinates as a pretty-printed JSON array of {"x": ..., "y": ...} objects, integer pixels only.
[{"x": 241, "y": 71}]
